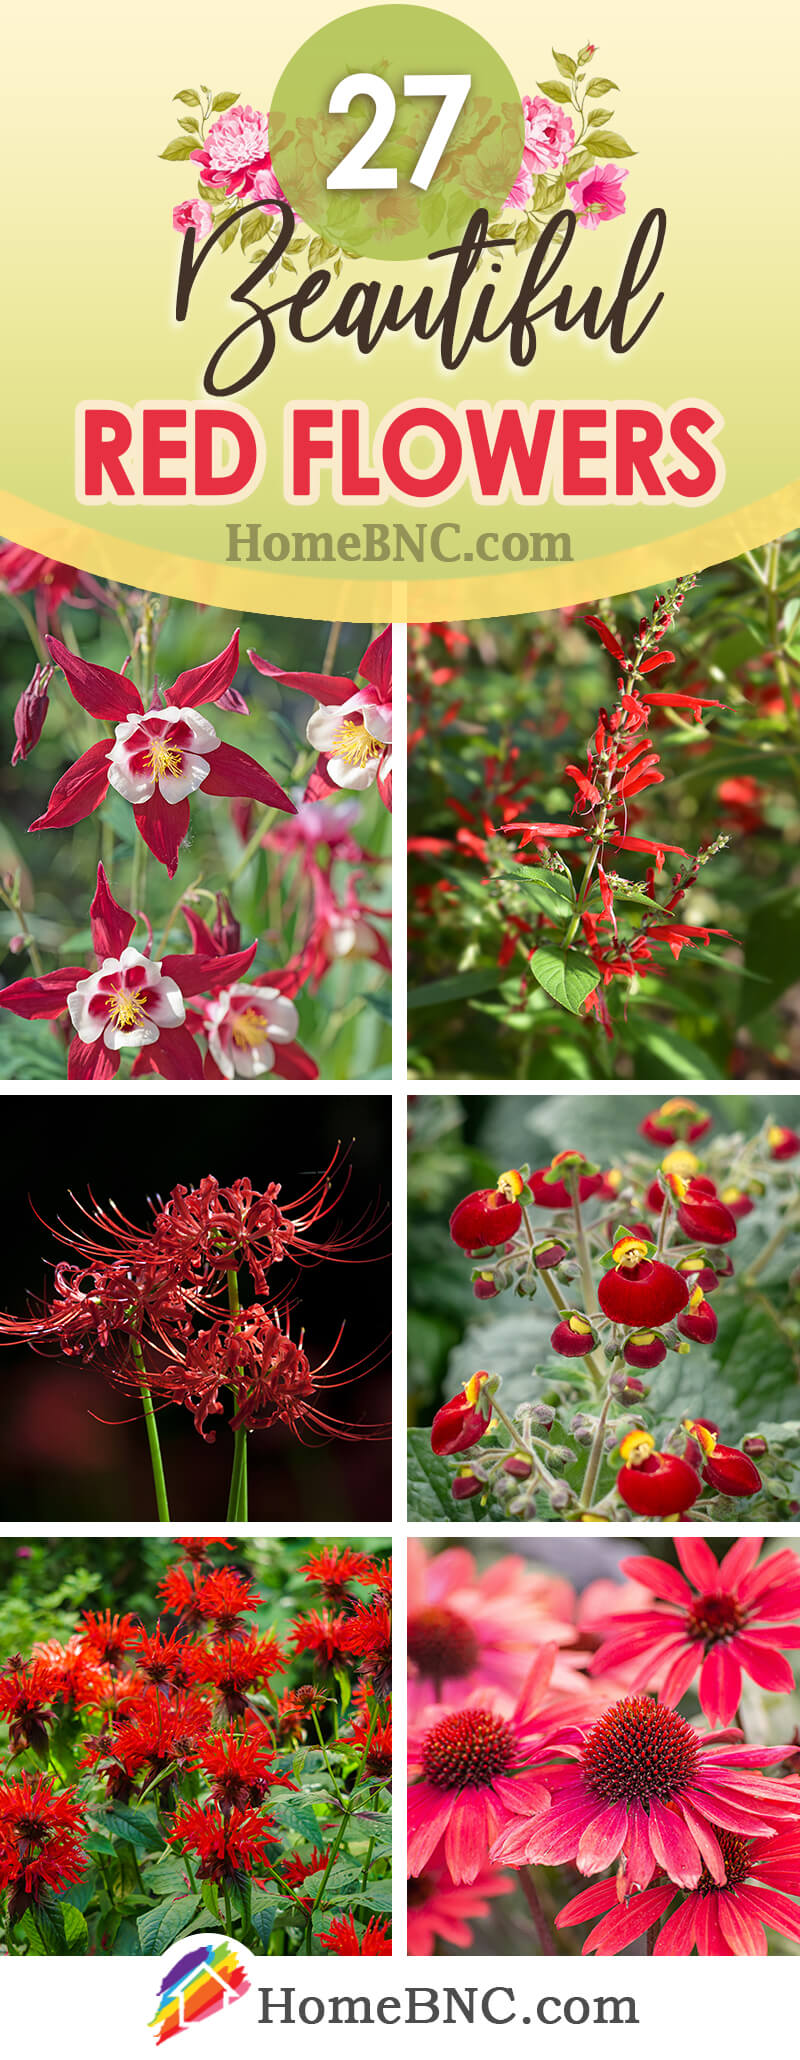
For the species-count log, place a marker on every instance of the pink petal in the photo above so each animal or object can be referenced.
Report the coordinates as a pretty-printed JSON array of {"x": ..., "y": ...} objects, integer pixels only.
[
  {"x": 79, "y": 791},
  {"x": 536, "y": 1684},
  {"x": 720, "y": 1685},
  {"x": 776, "y": 1910},
  {"x": 603, "y": 1839},
  {"x": 711, "y": 1941},
  {"x": 112, "y": 926},
  {"x": 384, "y": 784},
  {"x": 768, "y": 1669},
  {"x": 163, "y": 826},
  {"x": 680, "y": 1674},
  {"x": 235, "y": 772},
  {"x": 676, "y": 1938},
  {"x": 428, "y": 1815},
  {"x": 739, "y": 1925},
  {"x": 202, "y": 940},
  {"x": 629, "y": 1922},
  {"x": 739, "y": 1561},
  {"x": 331, "y": 689},
  {"x": 706, "y": 1841},
  {"x": 44, "y": 999},
  {"x": 697, "y": 1560},
  {"x": 205, "y": 682},
  {"x": 639, "y": 1861},
  {"x": 376, "y": 664},
  {"x": 110, "y": 696},
  {"x": 91, "y": 1061},
  {"x": 673, "y": 1846},
  {"x": 664, "y": 1581},
  {"x": 466, "y": 1839},
  {"x": 591, "y": 1902}
]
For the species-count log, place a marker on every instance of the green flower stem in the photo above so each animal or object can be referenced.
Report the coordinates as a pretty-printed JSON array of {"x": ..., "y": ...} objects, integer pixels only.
[
  {"x": 521, "y": 1445},
  {"x": 265, "y": 823},
  {"x": 228, "y": 1911},
  {"x": 237, "y": 1502},
  {"x": 595, "y": 1459},
  {"x": 349, "y": 1811},
  {"x": 541, "y": 1927},
  {"x": 151, "y": 1427},
  {"x": 334, "y": 1782},
  {"x": 584, "y": 1258}
]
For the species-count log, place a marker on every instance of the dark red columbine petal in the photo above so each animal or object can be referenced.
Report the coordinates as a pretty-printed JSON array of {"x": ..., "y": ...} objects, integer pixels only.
[
  {"x": 376, "y": 664},
  {"x": 91, "y": 1061},
  {"x": 44, "y": 999},
  {"x": 235, "y": 772},
  {"x": 112, "y": 926},
  {"x": 607, "y": 637},
  {"x": 293, "y": 1063},
  {"x": 384, "y": 784},
  {"x": 319, "y": 784},
  {"x": 79, "y": 791},
  {"x": 174, "y": 1057},
  {"x": 195, "y": 974},
  {"x": 199, "y": 932},
  {"x": 163, "y": 825},
  {"x": 109, "y": 696},
  {"x": 329, "y": 688},
  {"x": 205, "y": 682}
]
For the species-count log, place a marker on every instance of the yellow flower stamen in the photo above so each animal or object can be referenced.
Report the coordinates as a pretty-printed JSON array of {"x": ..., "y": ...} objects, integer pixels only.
[
  {"x": 510, "y": 1184},
  {"x": 473, "y": 1386},
  {"x": 636, "y": 1447},
  {"x": 695, "y": 1298},
  {"x": 628, "y": 1252},
  {"x": 127, "y": 1011},
  {"x": 354, "y": 744},
  {"x": 249, "y": 1029},
  {"x": 165, "y": 759},
  {"x": 580, "y": 1325}
]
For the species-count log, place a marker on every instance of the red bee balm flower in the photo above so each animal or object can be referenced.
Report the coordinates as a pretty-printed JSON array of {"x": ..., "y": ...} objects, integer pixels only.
[
  {"x": 159, "y": 756},
  {"x": 342, "y": 1938},
  {"x": 490, "y": 1216},
  {"x": 226, "y": 1843},
  {"x": 650, "y": 1789},
  {"x": 40, "y": 1840},
  {"x": 639, "y": 1291},
  {"x": 132, "y": 1003},
  {"x": 719, "y": 1619},
  {"x": 461, "y": 1423},
  {"x": 654, "y": 1483}
]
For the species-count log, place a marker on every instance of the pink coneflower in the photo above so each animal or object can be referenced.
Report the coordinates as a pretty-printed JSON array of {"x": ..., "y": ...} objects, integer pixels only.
[
  {"x": 438, "y": 1907},
  {"x": 725, "y": 1918},
  {"x": 468, "y": 1629},
  {"x": 735, "y": 1623},
  {"x": 474, "y": 1771},
  {"x": 651, "y": 1788}
]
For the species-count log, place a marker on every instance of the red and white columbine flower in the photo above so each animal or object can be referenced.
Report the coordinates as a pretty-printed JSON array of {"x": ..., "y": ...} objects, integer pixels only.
[
  {"x": 352, "y": 726},
  {"x": 159, "y": 756},
  {"x": 131, "y": 1003},
  {"x": 250, "y": 1025}
]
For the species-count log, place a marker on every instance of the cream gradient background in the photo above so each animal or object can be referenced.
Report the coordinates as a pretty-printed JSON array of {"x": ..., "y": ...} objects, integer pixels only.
[{"x": 90, "y": 264}]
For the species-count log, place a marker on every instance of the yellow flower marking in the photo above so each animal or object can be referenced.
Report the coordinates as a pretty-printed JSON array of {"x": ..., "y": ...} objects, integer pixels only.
[
  {"x": 706, "y": 1439},
  {"x": 636, "y": 1447},
  {"x": 628, "y": 1252},
  {"x": 249, "y": 1029},
  {"x": 165, "y": 759},
  {"x": 354, "y": 744},
  {"x": 681, "y": 1162},
  {"x": 510, "y": 1184},
  {"x": 127, "y": 1011}
]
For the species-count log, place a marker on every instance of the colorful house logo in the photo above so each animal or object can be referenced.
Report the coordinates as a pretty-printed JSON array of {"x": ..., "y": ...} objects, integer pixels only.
[{"x": 202, "y": 1981}]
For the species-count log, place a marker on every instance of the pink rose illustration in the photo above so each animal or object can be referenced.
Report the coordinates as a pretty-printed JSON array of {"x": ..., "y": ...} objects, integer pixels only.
[
  {"x": 522, "y": 189},
  {"x": 235, "y": 156},
  {"x": 549, "y": 134},
  {"x": 597, "y": 196},
  {"x": 193, "y": 214}
]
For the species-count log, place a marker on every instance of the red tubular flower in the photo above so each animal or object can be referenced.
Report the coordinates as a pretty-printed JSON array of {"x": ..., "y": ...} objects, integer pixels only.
[
  {"x": 30, "y": 713},
  {"x": 701, "y": 1213},
  {"x": 226, "y": 1844},
  {"x": 676, "y": 1122},
  {"x": 639, "y": 1291},
  {"x": 41, "y": 1852},
  {"x": 698, "y": 1321},
  {"x": 159, "y": 757},
  {"x": 109, "y": 1637},
  {"x": 573, "y": 1337},
  {"x": 224, "y": 1598},
  {"x": 132, "y": 1002},
  {"x": 237, "y": 1669},
  {"x": 342, "y": 1938},
  {"x": 644, "y": 1348},
  {"x": 162, "y": 1660},
  {"x": 783, "y": 1143},
  {"x": 158, "y": 1737},
  {"x": 655, "y": 1483},
  {"x": 556, "y": 1192},
  {"x": 240, "y": 1769},
  {"x": 490, "y": 1216},
  {"x": 461, "y": 1423},
  {"x": 323, "y": 1633}
]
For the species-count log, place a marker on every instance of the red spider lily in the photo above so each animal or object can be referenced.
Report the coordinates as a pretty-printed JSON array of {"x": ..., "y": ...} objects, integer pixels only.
[
  {"x": 334, "y": 1567},
  {"x": 352, "y": 726},
  {"x": 159, "y": 757},
  {"x": 225, "y": 1227},
  {"x": 26, "y": 1695},
  {"x": 342, "y": 1938},
  {"x": 131, "y": 1003},
  {"x": 717, "y": 1918},
  {"x": 716, "y": 1619},
  {"x": 240, "y": 1769},
  {"x": 227, "y": 1844},
  {"x": 40, "y": 1840}
]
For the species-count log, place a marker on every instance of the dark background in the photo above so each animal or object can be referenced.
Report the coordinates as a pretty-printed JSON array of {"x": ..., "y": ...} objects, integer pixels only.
[{"x": 73, "y": 1447}]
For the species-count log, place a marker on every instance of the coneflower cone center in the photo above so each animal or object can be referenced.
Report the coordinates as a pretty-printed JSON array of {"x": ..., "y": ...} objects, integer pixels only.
[
  {"x": 441, "y": 1643},
  {"x": 736, "y": 1855},
  {"x": 640, "y": 1751},
  {"x": 468, "y": 1749},
  {"x": 713, "y": 1618}
]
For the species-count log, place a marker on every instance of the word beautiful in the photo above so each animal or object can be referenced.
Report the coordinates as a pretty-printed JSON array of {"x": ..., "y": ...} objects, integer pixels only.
[{"x": 569, "y": 452}]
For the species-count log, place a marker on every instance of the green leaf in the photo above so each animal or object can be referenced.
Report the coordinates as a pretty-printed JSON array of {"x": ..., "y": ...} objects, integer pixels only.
[
  {"x": 253, "y": 227},
  {"x": 772, "y": 949},
  {"x": 192, "y": 128},
  {"x": 55, "y": 1929},
  {"x": 223, "y": 100},
  {"x": 598, "y": 116},
  {"x": 378, "y": 1896},
  {"x": 180, "y": 148},
  {"x": 297, "y": 1816},
  {"x": 263, "y": 1923},
  {"x": 552, "y": 893},
  {"x": 611, "y": 145},
  {"x": 157, "y": 1928},
  {"x": 229, "y": 235},
  {"x": 674, "y": 1054},
  {"x": 566, "y": 65},
  {"x": 439, "y": 993},
  {"x": 597, "y": 87},
  {"x": 554, "y": 90},
  {"x": 343, "y": 1682},
  {"x": 133, "y": 1825},
  {"x": 189, "y": 97},
  {"x": 567, "y": 978},
  {"x": 29, "y": 1051},
  {"x": 429, "y": 1497}
]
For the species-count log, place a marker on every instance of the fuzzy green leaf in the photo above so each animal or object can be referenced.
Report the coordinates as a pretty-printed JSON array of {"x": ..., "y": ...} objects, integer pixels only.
[{"x": 566, "y": 977}]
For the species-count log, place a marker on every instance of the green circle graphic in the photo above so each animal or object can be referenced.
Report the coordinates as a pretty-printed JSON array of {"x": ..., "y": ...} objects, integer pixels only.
[{"x": 481, "y": 157}]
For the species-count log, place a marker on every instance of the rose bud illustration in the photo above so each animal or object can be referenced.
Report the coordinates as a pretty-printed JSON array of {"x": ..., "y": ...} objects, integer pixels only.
[
  {"x": 654, "y": 1483},
  {"x": 462, "y": 1422},
  {"x": 644, "y": 1348},
  {"x": 573, "y": 1337},
  {"x": 639, "y": 1291},
  {"x": 700, "y": 1211},
  {"x": 552, "y": 1186},
  {"x": 783, "y": 1143},
  {"x": 698, "y": 1321},
  {"x": 489, "y": 1216},
  {"x": 676, "y": 1122}
]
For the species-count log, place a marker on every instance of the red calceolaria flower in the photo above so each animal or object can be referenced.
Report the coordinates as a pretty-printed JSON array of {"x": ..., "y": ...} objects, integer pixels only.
[
  {"x": 226, "y": 1843},
  {"x": 342, "y": 1938},
  {"x": 783, "y": 1143},
  {"x": 698, "y": 1321},
  {"x": 724, "y": 1467},
  {"x": 638, "y": 1290},
  {"x": 650, "y": 1791},
  {"x": 652, "y": 1483},
  {"x": 644, "y": 1348},
  {"x": 131, "y": 1003},
  {"x": 717, "y": 1918},
  {"x": 716, "y": 1619},
  {"x": 41, "y": 1833},
  {"x": 676, "y": 1122},
  {"x": 463, "y": 1421},
  {"x": 573, "y": 1337},
  {"x": 490, "y": 1216},
  {"x": 555, "y": 1186},
  {"x": 700, "y": 1212},
  {"x": 159, "y": 756}
]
